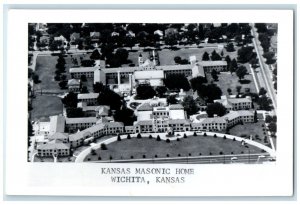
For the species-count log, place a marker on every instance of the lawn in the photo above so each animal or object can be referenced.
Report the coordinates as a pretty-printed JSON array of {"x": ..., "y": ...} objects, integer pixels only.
[
  {"x": 253, "y": 129},
  {"x": 227, "y": 80},
  {"x": 45, "y": 68},
  {"x": 45, "y": 106},
  {"x": 166, "y": 56},
  {"x": 190, "y": 146}
]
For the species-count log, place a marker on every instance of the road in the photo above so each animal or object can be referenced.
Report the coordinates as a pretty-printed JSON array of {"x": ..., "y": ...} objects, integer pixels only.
[
  {"x": 216, "y": 159},
  {"x": 265, "y": 69}
]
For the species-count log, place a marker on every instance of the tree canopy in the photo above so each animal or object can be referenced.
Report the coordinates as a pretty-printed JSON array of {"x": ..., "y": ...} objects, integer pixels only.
[
  {"x": 70, "y": 100},
  {"x": 176, "y": 82},
  {"x": 215, "y": 108},
  {"x": 241, "y": 72},
  {"x": 145, "y": 92},
  {"x": 190, "y": 105}
]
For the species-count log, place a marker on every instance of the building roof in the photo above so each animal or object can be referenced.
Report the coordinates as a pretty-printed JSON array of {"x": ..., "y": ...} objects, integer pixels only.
[
  {"x": 179, "y": 121},
  {"x": 87, "y": 96},
  {"x": 94, "y": 34},
  {"x": 145, "y": 107},
  {"x": 149, "y": 74},
  {"x": 81, "y": 120},
  {"x": 57, "y": 124},
  {"x": 73, "y": 82},
  {"x": 198, "y": 71},
  {"x": 114, "y": 124},
  {"x": 75, "y": 36},
  {"x": 210, "y": 120},
  {"x": 122, "y": 70},
  {"x": 176, "y": 107},
  {"x": 54, "y": 144},
  {"x": 245, "y": 112},
  {"x": 175, "y": 67},
  {"x": 239, "y": 100},
  {"x": 145, "y": 122},
  {"x": 82, "y": 69},
  {"x": 232, "y": 115},
  {"x": 213, "y": 63},
  {"x": 103, "y": 110},
  {"x": 79, "y": 135},
  {"x": 58, "y": 136}
]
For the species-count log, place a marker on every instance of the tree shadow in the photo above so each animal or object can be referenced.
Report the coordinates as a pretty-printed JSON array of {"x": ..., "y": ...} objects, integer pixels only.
[{"x": 244, "y": 81}]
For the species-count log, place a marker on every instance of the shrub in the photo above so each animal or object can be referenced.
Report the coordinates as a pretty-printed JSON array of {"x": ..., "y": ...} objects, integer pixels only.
[
  {"x": 195, "y": 134},
  {"x": 139, "y": 136},
  {"x": 93, "y": 152},
  {"x": 200, "y": 154},
  {"x": 168, "y": 141},
  {"x": 99, "y": 158},
  {"x": 177, "y": 139},
  {"x": 155, "y": 156},
  {"x": 184, "y": 136},
  {"x": 215, "y": 136},
  {"x": 221, "y": 153},
  {"x": 190, "y": 154},
  {"x": 224, "y": 137},
  {"x": 232, "y": 152},
  {"x": 158, "y": 138},
  {"x": 89, "y": 159},
  {"x": 128, "y": 136},
  {"x": 131, "y": 157},
  {"x": 205, "y": 134},
  {"x": 167, "y": 155},
  {"x": 103, "y": 147},
  {"x": 242, "y": 152},
  {"x": 119, "y": 138},
  {"x": 179, "y": 155},
  {"x": 210, "y": 153},
  {"x": 110, "y": 157},
  {"x": 233, "y": 139},
  {"x": 144, "y": 156},
  {"x": 150, "y": 137}
]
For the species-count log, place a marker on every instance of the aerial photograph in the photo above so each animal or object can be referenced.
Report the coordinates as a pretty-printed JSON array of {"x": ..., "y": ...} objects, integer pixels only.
[{"x": 184, "y": 93}]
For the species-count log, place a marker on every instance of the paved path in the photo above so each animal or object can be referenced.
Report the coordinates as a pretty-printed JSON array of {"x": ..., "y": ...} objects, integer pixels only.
[
  {"x": 80, "y": 157},
  {"x": 265, "y": 71}
]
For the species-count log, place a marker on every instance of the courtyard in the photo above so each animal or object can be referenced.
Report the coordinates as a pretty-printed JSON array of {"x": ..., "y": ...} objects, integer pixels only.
[{"x": 136, "y": 148}]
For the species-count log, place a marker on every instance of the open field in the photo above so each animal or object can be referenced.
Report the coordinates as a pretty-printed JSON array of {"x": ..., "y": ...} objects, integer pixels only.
[
  {"x": 166, "y": 56},
  {"x": 45, "y": 68},
  {"x": 190, "y": 146},
  {"x": 253, "y": 129},
  {"x": 227, "y": 80},
  {"x": 45, "y": 106}
]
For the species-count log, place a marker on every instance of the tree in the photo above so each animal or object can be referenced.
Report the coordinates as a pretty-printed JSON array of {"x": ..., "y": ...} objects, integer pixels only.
[
  {"x": 270, "y": 57},
  {"x": 171, "y": 40},
  {"x": 190, "y": 105},
  {"x": 95, "y": 55},
  {"x": 238, "y": 89},
  {"x": 272, "y": 127},
  {"x": 125, "y": 115},
  {"x": 214, "y": 75},
  {"x": 229, "y": 91},
  {"x": 87, "y": 63},
  {"x": 210, "y": 92},
  {"x": 160, "y": 91},
  {"x": 255, "y": 116},
  {"x": 171, "y": 99},
  {"x": 145, "y": 92},
  {"x": 119, "y": 137},
  {"x": 233, "y": 66},
  {"x": 110, "y": 98},
  {"x": 215, "y": 108},
  {"x": 262, "y": 91},
  {"x": 74, "y": 112},
  {"x": 70, "y": 100},
  {"x": 122, "y": 55},
  {"x": 158, "y": 138},
  {"x": 197, "y": 82},
  {"x": 215, "y": 56},
  {"x": 230, "y": 47},
  {"x": 97, "y": 87},
  {"x": 103, "y": 146},
  {"x": 30, "y": 129},
  {"x": 241, "y": 72},
  {"x": 63, "y": 84},
  {"x": 205, "y": 56},
  {"x": 268, "y": 119},
  {"x": 228, "y": 60},
  {"x": 245, "y": 54},
  {"x": 83, "y": 78},
  {"x": 176, "y": 82},
  {"x": 36, "y": 79},
  {"x": 84, "y": 90},
  {"x": 264, "y": 103}
]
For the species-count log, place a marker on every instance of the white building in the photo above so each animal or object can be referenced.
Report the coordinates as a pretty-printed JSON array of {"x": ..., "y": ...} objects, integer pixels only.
[{"x": 235, "y": 103}]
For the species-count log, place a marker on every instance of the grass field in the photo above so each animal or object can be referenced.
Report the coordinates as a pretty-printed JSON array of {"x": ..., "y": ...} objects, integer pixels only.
[
  {"x": 166, "y": 56},
  {"x": 253, "y": 129},
  {"x": 45, "y": 106},
  {"x": 227, "y": 80},
  {"x": 45, "y": 68},
  {"x": 190, "y": 146}
]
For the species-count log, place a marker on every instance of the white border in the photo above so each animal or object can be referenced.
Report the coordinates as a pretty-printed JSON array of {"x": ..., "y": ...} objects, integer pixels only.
[{"x": 24, "y": 178}]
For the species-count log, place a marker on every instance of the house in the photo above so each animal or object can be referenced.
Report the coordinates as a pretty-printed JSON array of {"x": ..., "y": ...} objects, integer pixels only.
[
  {"x": 59, "y": 136},
  {"x": 86, "y": 71},
  {"x": 171, "y": 32},
  {"x": 45, "y": 40},
  {"x": 74, "y": 85},
  {"x": 218, "y": 66},
  {"x": 235, "y": 103},
  {"x": 102, "y": 111},
  {"x": 88, "y": 98},
  {"x": 57, "y": 124},
  {"x": 74, "y": 124},
  {"x": 54, "y": 148}
]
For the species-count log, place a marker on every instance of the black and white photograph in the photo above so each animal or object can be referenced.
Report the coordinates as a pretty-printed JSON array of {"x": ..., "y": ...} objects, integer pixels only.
[
  {"x": 196, "y": 93},
  {"x": 149, "y": 102}
]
